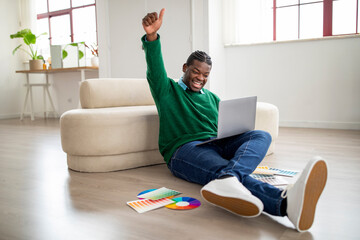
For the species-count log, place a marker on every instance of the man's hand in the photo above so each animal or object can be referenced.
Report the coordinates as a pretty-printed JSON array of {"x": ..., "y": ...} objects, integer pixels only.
[{"x": 152, "y": 23}]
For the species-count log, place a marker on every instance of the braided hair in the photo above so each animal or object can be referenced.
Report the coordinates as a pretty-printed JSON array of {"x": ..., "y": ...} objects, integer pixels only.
[{"x": 200, "y": 56}]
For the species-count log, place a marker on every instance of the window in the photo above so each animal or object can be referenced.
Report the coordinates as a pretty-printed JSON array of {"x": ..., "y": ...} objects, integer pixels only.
[
  {"x": 66, "y": 21},
  {"x": 345, "y": 17},
  {"x": 298, "y": 19},
  {"x": 251, "y": 21}
]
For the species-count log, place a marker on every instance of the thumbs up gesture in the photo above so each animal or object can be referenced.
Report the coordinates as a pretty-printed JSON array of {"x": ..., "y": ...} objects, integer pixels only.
[{"x": 152, "y": 23}]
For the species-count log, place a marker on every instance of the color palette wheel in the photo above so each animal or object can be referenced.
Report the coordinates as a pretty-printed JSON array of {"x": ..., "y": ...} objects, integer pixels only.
[{"x": 184, "y": 203}]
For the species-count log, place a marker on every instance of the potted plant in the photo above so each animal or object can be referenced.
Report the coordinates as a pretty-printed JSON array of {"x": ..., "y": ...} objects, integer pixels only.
[{"x": 29, "y": 38}]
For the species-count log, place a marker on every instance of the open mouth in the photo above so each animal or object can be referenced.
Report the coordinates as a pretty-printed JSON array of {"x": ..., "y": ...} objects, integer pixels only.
[{"x": 197, "y": 84}]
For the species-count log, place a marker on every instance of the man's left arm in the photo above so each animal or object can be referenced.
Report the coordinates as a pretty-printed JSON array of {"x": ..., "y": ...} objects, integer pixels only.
[{"x": 156, "y": 73}]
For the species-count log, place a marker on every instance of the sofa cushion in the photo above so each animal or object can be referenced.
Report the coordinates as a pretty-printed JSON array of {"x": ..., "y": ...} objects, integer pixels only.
[
  {"x": 114, "y": 92},
  {"x": 109, "y": 131}
]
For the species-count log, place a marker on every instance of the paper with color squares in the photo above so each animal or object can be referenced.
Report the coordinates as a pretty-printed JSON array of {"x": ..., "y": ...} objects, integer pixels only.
[
  {"x": 284, "y": 172},
  {"x": 273, "y": 180},
  {"x": 263, "y": 170},
  {"x": 145, "y": 205},
  {"x": 159, "y": 193}
]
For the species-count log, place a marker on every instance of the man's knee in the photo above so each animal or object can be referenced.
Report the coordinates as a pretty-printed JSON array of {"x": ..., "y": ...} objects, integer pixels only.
[{"x": 264, "y": 135}]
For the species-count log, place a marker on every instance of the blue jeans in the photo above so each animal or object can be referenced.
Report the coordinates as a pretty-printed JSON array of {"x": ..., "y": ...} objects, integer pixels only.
[{"x": 235, "y": 156}]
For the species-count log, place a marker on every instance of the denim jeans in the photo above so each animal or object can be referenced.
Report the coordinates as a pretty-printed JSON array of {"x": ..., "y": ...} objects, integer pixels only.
[{"x": 235, "y": 156}]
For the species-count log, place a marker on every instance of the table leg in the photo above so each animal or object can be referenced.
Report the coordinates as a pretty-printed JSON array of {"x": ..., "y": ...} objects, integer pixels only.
[
  {"x": 25, "y": 102},
  {"x": 44, "y": 100},
  {"x": 51, "y": 102},
  {"x": 48, "y": 93},
  {"x": 29, "y": 90},
  {"x": 31, "y": 105},
  {"x": 82, "y": 72}
]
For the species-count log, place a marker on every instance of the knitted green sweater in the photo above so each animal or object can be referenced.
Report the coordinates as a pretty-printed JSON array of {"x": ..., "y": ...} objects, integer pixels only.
[{"x": 185, "y": 115}]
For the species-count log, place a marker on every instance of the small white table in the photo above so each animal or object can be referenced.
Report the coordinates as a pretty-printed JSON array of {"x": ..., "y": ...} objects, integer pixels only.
[{"x": 45, "y": 86}]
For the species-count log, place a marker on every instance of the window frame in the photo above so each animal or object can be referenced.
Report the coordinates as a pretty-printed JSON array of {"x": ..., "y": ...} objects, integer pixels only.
[
  {"x": 327, "y": 17},
  {"x": 50, "y": 14}
]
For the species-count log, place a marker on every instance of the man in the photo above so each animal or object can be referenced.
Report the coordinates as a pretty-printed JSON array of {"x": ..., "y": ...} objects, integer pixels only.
[{"x": 188, "y": 115}]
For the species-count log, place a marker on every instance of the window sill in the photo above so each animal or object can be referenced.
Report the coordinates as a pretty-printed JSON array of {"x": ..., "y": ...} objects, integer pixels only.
[{"x": 293, "y": 41}]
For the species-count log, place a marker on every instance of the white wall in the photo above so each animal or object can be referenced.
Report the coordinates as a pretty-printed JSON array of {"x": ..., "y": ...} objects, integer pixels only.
[
  {"x": 218, "y": 74},
  {"x": 10, "y": 82},
  {"x": 122, "y": 43},
  {"x": 314, "y": 83},
  {"x": 200, "y": 25}
]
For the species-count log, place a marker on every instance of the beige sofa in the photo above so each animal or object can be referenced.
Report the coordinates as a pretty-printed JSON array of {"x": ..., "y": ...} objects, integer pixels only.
[{"x": 117, "y": 126}]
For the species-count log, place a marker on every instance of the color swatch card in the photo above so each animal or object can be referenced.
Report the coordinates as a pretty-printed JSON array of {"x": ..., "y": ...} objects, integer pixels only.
[
  {"x": 146, "y": 191},
  {"x": 283, "y": 172},
  {"x": 145, "y": 205},
  {"x": 273, "y": 180},
  {"x": 263, "y": 170},
  {"x": 159, "y": 193}
]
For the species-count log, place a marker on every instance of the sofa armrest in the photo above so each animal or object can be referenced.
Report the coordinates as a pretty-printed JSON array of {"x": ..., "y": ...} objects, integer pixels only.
[
  {"x": 114, "y": 92},
  {"x": 267, "y": 118}
]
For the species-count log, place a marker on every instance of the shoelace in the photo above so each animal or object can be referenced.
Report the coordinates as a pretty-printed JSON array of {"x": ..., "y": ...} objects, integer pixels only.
[{"x": 285, "y": 191}]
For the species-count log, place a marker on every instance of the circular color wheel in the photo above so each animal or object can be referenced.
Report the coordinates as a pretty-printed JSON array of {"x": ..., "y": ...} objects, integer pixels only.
[{"x": 184, "y": 203}]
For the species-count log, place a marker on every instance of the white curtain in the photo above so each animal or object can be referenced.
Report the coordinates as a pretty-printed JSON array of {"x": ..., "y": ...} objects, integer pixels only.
[
  {"x": 26, "y": 19},
  {"x": 27, "y": 14},
  {"x": 247, "y": 21}
]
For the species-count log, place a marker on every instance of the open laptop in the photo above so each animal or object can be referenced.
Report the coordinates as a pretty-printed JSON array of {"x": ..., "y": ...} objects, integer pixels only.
[{"x": 235, "y": 116}]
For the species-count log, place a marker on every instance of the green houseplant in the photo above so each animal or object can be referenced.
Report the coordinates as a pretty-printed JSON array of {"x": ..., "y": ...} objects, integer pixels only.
[{"x": 30, "y": 40}]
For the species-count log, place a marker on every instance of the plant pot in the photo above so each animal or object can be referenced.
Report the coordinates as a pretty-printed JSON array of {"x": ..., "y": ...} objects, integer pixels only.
[
  {"x": 95, "y": 61},
  {"x": 36, "y": 64}
]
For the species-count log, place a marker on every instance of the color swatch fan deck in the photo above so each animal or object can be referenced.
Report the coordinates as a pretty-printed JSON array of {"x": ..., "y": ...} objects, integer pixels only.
[
  {"x": 159, "y": 193},
  {"x": 145, "y": 205}
]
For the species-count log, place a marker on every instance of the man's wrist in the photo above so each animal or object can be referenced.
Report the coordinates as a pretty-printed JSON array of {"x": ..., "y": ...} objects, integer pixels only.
[{"x": 151, "y": 37}]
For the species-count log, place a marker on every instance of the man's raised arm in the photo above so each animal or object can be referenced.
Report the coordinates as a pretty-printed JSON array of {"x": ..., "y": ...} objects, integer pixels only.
[
  {"x": 152, "y": 23},
  {"x": 156, "y": 73}
]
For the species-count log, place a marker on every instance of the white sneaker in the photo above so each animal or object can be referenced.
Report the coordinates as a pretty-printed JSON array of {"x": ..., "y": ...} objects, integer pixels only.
[
  {"x": 303, "y": 196},
  {"x": 230, "y": 194}
]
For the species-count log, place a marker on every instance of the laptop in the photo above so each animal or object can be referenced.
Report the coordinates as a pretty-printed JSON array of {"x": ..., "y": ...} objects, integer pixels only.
[{"x": 235, "y": 116}]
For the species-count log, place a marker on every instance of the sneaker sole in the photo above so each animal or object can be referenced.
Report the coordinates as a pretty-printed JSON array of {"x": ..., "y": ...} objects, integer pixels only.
[
  {"x": 314, "y": 187},
  {"x": 235, "y": 205}
]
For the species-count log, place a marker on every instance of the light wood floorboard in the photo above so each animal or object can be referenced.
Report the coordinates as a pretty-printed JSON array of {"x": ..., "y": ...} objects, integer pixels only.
[{"x": 41, "y": 199}]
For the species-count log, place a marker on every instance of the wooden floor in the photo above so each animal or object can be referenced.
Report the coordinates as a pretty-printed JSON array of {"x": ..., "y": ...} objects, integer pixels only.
[{"x": 41, "y": 199}]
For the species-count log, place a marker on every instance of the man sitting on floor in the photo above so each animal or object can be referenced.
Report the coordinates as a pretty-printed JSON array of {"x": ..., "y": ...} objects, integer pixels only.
[{"x": 188, "y": 116}]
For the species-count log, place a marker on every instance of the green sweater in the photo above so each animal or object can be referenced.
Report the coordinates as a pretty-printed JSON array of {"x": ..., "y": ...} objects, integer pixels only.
[{"x": 184, "y": 115}]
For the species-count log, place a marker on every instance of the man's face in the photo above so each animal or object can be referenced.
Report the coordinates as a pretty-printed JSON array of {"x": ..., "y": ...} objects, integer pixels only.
[{"x": 196, "y": 75}]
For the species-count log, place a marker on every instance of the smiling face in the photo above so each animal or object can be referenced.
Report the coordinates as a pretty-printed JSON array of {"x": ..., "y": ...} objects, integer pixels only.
[{"x": 196, "y": 75}]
